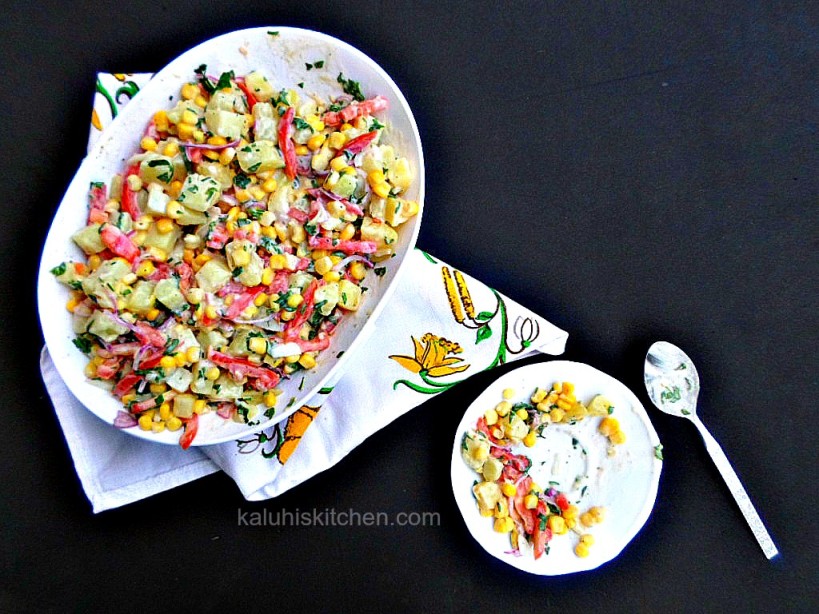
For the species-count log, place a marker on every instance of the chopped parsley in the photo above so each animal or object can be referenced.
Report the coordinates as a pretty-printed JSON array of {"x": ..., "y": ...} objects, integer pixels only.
[
  {"x": 353, "y": 88},
  {"x": 658, "y": 452},
  {"x": 82, "y": 344},
  {"x": 59, "y": 269}
]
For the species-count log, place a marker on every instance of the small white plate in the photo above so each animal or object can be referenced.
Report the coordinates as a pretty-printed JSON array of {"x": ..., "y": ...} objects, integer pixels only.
[
  {"x": 625, "y": 484},
  {"x": 282, "y": 54}
]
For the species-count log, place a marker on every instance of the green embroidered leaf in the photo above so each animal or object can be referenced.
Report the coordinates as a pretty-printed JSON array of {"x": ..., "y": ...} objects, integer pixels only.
[{"x": 484, "y": 332}]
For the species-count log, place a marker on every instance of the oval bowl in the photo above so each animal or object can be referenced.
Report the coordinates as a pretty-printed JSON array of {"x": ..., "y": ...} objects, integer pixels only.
[{"x": 283, "y": 58}]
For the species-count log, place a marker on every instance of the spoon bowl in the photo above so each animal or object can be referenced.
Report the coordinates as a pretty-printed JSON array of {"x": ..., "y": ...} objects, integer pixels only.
[
  {"x": 673, "y": 385},
  {"x": 671, "y": 380}
]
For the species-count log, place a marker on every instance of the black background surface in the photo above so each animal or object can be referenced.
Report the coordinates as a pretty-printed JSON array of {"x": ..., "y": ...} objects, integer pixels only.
[{"x": 632, "y": 172}]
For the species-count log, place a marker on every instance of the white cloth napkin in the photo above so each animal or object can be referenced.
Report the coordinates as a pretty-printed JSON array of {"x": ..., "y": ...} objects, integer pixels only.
[{"x": 440, "y": 327}]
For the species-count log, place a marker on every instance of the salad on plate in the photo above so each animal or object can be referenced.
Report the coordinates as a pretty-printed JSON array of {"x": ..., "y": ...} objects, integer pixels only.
[{"x": 223, "y": 256}]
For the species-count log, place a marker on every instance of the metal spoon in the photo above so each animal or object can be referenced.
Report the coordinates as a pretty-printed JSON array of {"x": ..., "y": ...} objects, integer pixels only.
[{"x": 673, "y": 385}]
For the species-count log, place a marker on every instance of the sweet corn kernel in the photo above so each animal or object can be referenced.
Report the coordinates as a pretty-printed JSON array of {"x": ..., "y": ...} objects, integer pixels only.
[
  {"x": 508, "y": 394},
  {"x": 90, "y": 370},
  {"x": 347, "y": 233},
  {"x": 557, "y": 525},
  {"x": 308, "y": 361},
  {"x": 165, "y": 225},
  {"x": 72, "y": 303},
  {"x": 557, "y": 387},
  {"x": 258, "y": 345},
  {"x": 608, "y": 426},
  {"x": 175, "y": 188},
  {"x": 324, "y": 265},
  {"x": 167, "y": 362},
  {"x": 302, "y": 150},
  {"x": 281, "y": 231},
  {"x": 189, "y": 117},
  {"x": 570, "y": 512},
  {"x": 315, "y": 142},
  {"x": 358, "y": 271},
  {"x": 581, "y": 550},
  {"x": 270, "y": 185},
  {"x": 375, "y": 177},
  {"x": 173, "y": 423},
  {"x": 530, "y": 440},
  {"x": 257, "y": 192},
  {"x": 332, "y": 276},
  {"x": 152, "y": 314},
  {"x": 226, "y": 156},
  {"x": 189, "y": 91},
  {"x": 557, "y": 415},
  {"x": 382, "y": 189},
  {"x": 338, "y": 164},
  {"x": 510, "y": 490},
  {"x": 171, "y": 149},
  {"x": 165, "y": 411},
  {"x": 158, "y": 427},
  {"x": 501, "y": 509},
  {"x": 148, "y": 144},
  {"x": 530, "y": 502},
  {"x": 250, "y": 312},
  {"x": 617, "y": 438},
  {"x": 192, "y": 354},
  {"x": 586, "y": 519},
  {"x": 157, "y": 388},
  {"x": 598, "y": 513},
  {"x": 181, "y": 359},
  {"x": 485, "y": 512},
  {"x": 491, "y": 417},
  {"x": 564, "y": 404},
  {"x": 292, "y": 359},
  {"x": 242, "y": 195},
  {"x": 145, "y": 421},
  {"x": 161, "y": 121},
  {"x": 336, "y": 140},
  {"x": 336, "y": 208},
  {"x": 269, "y": 398},
  {"x": 199, "y": 405},
  {"x": 504, "y": 525},
  {"x": 260, "y": 300},
  {"x": 503, "y": 408},
  {"x": 185, "y": 131},
  {"x": 134, "y": 183},
  {"x": 297, "y": 234},
  {"x": 277, "y": 262},
  {"x": 497, "y": 433},
  {"x": 211, "y": 155},
  {"x": 587, "y": 538},
  {"x": 522, "y": 414},
  {"x": 294, "y": 300},
  {"x": 480, "y": 453},
  {"x": 200, "y": 101}
]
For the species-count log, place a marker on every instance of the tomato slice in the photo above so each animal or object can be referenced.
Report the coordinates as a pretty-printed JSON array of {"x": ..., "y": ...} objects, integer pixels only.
[{"x": 191, "y": 427}]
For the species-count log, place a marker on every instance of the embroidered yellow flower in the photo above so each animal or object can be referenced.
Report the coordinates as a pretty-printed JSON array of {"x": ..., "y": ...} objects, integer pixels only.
[{"x": 432, "y": 357}]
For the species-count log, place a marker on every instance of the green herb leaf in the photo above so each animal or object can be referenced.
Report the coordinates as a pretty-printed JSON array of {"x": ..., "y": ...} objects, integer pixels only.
[
  {"x": 658, "y": 452},
  {"x": 353, "y": 88},
  {"x": 59, "y": 269},
  {"x": 241, "y": 180},
  {"x": 380, "y": 271},
  {"x": 82, "y": 344}
]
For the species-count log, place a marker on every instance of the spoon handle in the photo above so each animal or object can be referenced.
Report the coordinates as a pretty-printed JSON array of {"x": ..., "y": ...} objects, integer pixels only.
[{"x": 738, "y": 491}]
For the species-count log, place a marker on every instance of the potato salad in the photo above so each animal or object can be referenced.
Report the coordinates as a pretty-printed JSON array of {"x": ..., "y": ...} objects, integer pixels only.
[{"x": 237, "y": 236}]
